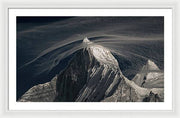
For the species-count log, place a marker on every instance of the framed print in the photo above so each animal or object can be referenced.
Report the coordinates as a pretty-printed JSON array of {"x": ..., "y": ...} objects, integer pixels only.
[
  {"x": 78, "y": 58},
  {"x": 90, "y": 59}
]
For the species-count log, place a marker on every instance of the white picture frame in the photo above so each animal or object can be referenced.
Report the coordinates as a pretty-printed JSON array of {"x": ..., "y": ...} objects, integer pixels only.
[
  {"x": 166, "y": 105},
  {"x": 7, "y": 6}
]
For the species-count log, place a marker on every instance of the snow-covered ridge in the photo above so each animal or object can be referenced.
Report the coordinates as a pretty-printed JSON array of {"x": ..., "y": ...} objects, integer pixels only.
[
  {"x": 144, "y": 87},
  {"x": 101, "y": 53},
  {"x": 150, "y": 76},
  {"x": 151, "y": 65}
]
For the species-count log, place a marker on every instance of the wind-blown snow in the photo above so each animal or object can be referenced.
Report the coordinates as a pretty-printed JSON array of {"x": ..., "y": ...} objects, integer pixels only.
[
  {"x": 101, "y": 53},
  {"x": 94, "y": 75},
  {"x": 42, "y": 48}
]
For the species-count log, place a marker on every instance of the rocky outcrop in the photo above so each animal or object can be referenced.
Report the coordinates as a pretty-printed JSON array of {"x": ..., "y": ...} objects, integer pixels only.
[
  {"x": 150, "y": 76},
  {"x": 41, "y": 93},
  {"x": 123, "y": 93}
]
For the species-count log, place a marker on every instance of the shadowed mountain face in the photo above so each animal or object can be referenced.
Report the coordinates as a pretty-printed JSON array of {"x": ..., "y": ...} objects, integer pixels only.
[
  {"x": 73, "y": 78},
  {"x": 46, "y": 47},
  {"x": 93, "y": 75}
]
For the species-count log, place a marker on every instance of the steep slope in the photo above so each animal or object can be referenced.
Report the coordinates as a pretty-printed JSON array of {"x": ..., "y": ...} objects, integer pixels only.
[
  {"x": 91, "y": 79},
  {"x": 92, "y": 75},
  {"x": 150, "y": 76},
  {"x": 41, "y": 93},
  {"x": 139, "y": 89}
]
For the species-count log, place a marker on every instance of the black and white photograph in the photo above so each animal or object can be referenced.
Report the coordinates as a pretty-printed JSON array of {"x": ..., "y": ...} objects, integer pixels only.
[{"x": 90, "y": 59}]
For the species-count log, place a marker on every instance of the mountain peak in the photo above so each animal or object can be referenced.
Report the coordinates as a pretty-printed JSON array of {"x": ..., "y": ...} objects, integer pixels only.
[
  {"x": 86, "y": 41},
  {"x": 151, "y": 65}
]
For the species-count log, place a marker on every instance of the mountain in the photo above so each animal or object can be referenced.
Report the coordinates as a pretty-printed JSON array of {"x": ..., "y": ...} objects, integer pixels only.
[
  {"x": 41, "y": 93},
  {"x": 93, "y": 75},
  {"x": 146, "y": 86},
  {"x": 150, "y": 76}
]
